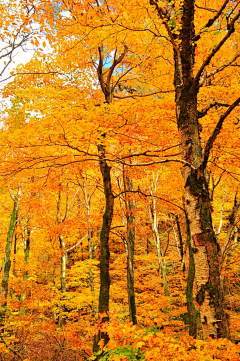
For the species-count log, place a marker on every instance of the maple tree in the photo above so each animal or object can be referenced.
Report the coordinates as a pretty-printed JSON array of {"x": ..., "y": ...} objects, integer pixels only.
[{"x": 124, "y": 140}]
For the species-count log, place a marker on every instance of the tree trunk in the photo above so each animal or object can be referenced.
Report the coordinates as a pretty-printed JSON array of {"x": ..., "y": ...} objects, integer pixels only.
[
  {"x": 130, "y": 208},
  {"x": 154, "y": 223},
  {"x": 63, "y": 264},
  {"x": 181, "y": 245},
  {"x": 210, "y": 296},
  {"x": 90, "y": 246},
  {"x": 26, "y": 253},
  {"x": 7, "y": 258},
  {"x": 160, "y": 261},
  {"x": 105, "y": 81},
  {"x": 192, "y": 312},
  {"x": 103, "y": 307}
]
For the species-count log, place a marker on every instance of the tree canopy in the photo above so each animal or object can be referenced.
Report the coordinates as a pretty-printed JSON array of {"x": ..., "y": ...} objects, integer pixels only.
[{"x": 119, "y": 180}]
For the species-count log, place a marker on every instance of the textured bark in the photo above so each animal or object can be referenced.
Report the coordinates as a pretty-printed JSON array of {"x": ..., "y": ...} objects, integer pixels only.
[
  {"x": 7, "y": 258},
  {"x": 207, "y": 255},
  {"x": 179, "y": 240},
  {"x": 107, "y": 88},
  {"x": 103, "y": 307},
  {"x": 130, "y": 206},
  {"x": 181, "y": 245},
  {"x": 26, "y": 254},
  {"x": 192, "y": 312},
  {"x": 92, "y": 291},
  {"x": 210, "y": 296}
]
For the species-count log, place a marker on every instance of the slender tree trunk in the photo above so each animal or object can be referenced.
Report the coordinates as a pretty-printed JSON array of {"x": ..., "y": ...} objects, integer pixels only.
[
  {"x": 181, "y": 245},
  {"x": 14, "y": 254},
  {"x": 105, "y": 81},
  {"x": 130, "y": 207},
  {"x": 62, "y": 317},
  {"x": 90, "y": 247},
  {"x": 154, "y": 223},
  {"x": 7, "y": 257},
  {"x": 103, "y": 307},
  {"x": 26, "y": 254},
  {"x": 63, "y": 264},
  {"x": 160, "y": 260},
  {"x": 192, "y": 312},
  {"x": 92, "y": 291}
]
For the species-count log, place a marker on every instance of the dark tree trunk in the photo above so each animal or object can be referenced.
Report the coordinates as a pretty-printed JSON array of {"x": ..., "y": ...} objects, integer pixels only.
[
  {"x": 103, "y": 307},
  {"x": 107, "y": 89},
  {"x": 192, "y": 312},
  {"x": 26, "y": 253},
  {"x": 7, "y": 258},
  {"x": 130, "y": 206}
]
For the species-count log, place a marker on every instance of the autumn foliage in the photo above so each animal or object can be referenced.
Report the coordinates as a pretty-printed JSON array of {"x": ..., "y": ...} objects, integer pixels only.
[{"x": 119, "y": 181}]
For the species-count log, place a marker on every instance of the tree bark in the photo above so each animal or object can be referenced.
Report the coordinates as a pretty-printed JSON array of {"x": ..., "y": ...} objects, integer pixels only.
[
  {"x": 103, "y": 307},
  {"x": 90, "y": 245},
  {"x": 26, "y": 253},
  {"x": 63, "y": 263},
  {"x": 192, "y": 312},
  {"x": 210, "y": 295},
  {"x": 107, "y": 89},
  {"x": 181, "y": 245},
  {"x": 207, "y": 253},
  {"x": 130, "y": 208},
  {"x": 7, "y": 257}
]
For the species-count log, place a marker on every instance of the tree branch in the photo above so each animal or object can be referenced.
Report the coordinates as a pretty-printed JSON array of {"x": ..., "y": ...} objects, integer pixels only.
[
  {"x": 215, "y": 133},
  {"x": 75, "y": 245},
  {"x": 205, "y": 110},
  {"x": 217, "y": 70},
  {"x": 212, "y": 20},
  {"x": 206, "y": 62},
  {"x": 149, "y": 195}
]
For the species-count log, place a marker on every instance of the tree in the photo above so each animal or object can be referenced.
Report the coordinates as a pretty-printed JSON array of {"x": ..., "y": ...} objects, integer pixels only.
[
  {"x": 187, "y": 81},
  {"x": 7, "y": 255}
]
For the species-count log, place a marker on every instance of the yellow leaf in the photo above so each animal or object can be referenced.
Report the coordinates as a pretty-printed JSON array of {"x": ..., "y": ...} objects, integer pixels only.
[{"x": 116, "y": 358}]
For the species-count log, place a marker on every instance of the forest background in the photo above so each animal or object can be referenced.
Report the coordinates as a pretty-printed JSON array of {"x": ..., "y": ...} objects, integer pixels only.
[{"x": 119, "y": 180}]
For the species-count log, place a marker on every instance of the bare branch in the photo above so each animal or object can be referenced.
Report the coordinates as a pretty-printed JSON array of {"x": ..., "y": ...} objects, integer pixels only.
[
  {"x": 143, "y": 95},
  {"x": 116, "y": 62},
  {"x": 100, "y": 69},
  {"x": 75, "y": 245},
  {"x": 213, "y": 19},
  {"x": 150, "y": 195},
  {"x": 231, "y": 226},
  {"x": 205, "y": 110},
  {"x": 215, "y": 133},
  {"x": 155, "y": 162},
  {"x": 206, "y": 62},
  {"x": 207, "y": 9},
  {"x": 217, "y": 70}
]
